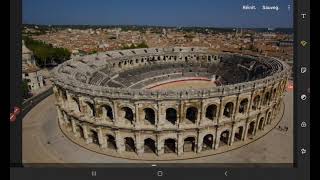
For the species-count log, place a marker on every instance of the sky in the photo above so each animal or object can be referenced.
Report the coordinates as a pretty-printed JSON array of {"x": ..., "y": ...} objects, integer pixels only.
[{"x": 208, "y": 13}]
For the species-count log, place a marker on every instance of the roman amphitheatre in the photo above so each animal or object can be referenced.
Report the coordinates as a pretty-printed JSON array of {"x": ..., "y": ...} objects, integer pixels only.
[{"x": 168, "y": 103}]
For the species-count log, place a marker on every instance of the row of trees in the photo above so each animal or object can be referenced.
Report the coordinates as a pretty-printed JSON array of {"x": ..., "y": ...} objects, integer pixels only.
[
  {"x": 135, "y": 46},
  {"x": 45, "y": 53}
]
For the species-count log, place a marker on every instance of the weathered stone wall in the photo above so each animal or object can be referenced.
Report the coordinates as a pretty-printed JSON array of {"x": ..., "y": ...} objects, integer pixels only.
[{"x": 168, "y": 121}]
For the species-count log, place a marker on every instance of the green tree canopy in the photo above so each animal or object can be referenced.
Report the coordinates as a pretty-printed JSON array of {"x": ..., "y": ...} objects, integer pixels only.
[
  {"x": 44, "y": 53},
  {"x": 25, "y": 89},
  {"x": 133, "y": 46}
]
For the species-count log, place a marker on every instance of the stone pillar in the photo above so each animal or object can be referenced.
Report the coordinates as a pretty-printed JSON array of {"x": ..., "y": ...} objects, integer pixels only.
[
  {"x": 202, "y": 110},
  {"x": 181, "y": 113},
  {"x": 217, "y": 139},
  {"x": 243, "y": 132},
  {"x": 73, "y": 125},
  {"x": 139, "y": 143},
  {"x": 199, "y": 142},
  {"x": 158, "y": 121},
  {"x": 256, "y": 126},
  {"x": 271, "y": 116},
  {"x": 265, "y": 122},
  {"x": 65, "y": 117},
  {"x": 85, "y": 134},
  {"x": 178, "y": 116},
  {"x": 60, "y": 117},
  {"x": 220, "y": 111},
  {"x": 136, "y": 120},
  {"x": 246, "y": 130},
  {"x": 101, "y": 139},
  {"x": 179, "y": 145},
  {"x": 160, "y": 146},
  {"x": 232, "y": 134},
  {"x": 199, "y": 115},
  {"x": 116, "y": 117},
  {"x": 119, "y": 142},
  {"x": 236, "y": 109},
  {"x": 250, "y": 103}
]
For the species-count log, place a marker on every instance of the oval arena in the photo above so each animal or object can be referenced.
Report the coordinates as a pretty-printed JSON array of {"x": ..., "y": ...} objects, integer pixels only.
[{"x": 167, "y": 103}]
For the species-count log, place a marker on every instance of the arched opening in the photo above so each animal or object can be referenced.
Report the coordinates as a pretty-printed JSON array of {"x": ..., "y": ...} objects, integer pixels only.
[
  {"x": 150, "y": 116},
  {"x": 64, "y": 95},
  {"x": 149, "y": 146},
  {"x": 207, "y": 142},
  {"x": 224, "y": 138},
  {"x": 79, "y": 130},
  {"x": 243, "y": 106},
  {"x": 127, "y": 114},
  {"x": 260, "y": 127},
  {"x": 107, "y": 112},
  {"x": 255, "y": 103},
  {"x": 170, "y": 146},
  {"x": 171, "y": 115},
  {"x": 129, "y": 144},
  {"x": 90, "y": 110},
  {"x": 266, "y": 98},
  {"x": 274, "y": 93},
  {"x": 189, "y": 144},
  {"x": 238, "y": 134},
  {"x": 228, "y": 110},
  {"x": 94, "y": 136},
  {"x": 251, "y": 129},
  {"x": 192, "y": 114},
  {"x": 211, "y": 112},
  {"x": 111, "y": 142},
  {"x": 269, "y": 118}
]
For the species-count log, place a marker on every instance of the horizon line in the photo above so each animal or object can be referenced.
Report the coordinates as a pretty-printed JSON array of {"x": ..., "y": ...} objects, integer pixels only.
[{"x": 171, "y": 26}]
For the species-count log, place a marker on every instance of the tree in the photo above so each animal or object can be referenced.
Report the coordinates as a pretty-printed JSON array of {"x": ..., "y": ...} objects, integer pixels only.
[
  {"x": 142, "y": 45},
  {"x": 46, "y": 52},
  {"x": 133, "y": 46},
  {"x": 25, "y": 89}
]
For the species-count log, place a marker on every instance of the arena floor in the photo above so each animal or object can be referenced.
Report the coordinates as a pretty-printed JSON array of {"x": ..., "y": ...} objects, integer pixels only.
[
  {"x": 43, "y": 142},
  {"x": 194, "y": 83}
]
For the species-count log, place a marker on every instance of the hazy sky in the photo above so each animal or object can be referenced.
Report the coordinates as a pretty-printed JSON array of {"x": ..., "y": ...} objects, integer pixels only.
[{"x": 217, "y": 13}]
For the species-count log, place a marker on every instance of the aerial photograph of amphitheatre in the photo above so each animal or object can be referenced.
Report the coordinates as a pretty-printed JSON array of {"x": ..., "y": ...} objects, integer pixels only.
[{"x": 155, "y": 84}]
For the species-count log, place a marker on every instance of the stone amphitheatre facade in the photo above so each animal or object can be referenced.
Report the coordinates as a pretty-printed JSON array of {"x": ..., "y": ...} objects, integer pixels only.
[{"x": 107, "y": 102}]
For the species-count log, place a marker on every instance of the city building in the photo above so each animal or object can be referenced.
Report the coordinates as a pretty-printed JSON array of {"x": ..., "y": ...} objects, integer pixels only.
[{"x": 30, "y": 71}]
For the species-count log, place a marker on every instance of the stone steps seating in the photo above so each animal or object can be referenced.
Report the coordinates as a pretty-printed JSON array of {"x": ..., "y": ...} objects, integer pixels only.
[{"x": 97, "y": 78}]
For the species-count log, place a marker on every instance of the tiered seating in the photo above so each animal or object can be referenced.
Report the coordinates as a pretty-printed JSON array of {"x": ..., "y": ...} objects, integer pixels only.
[
  {"x": 96, "y": 78},
  {"x": 114, "y": 84}
]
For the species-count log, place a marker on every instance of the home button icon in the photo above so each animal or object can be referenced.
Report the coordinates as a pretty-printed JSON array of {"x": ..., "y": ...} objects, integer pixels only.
[{"x": 159, "y": 173}]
